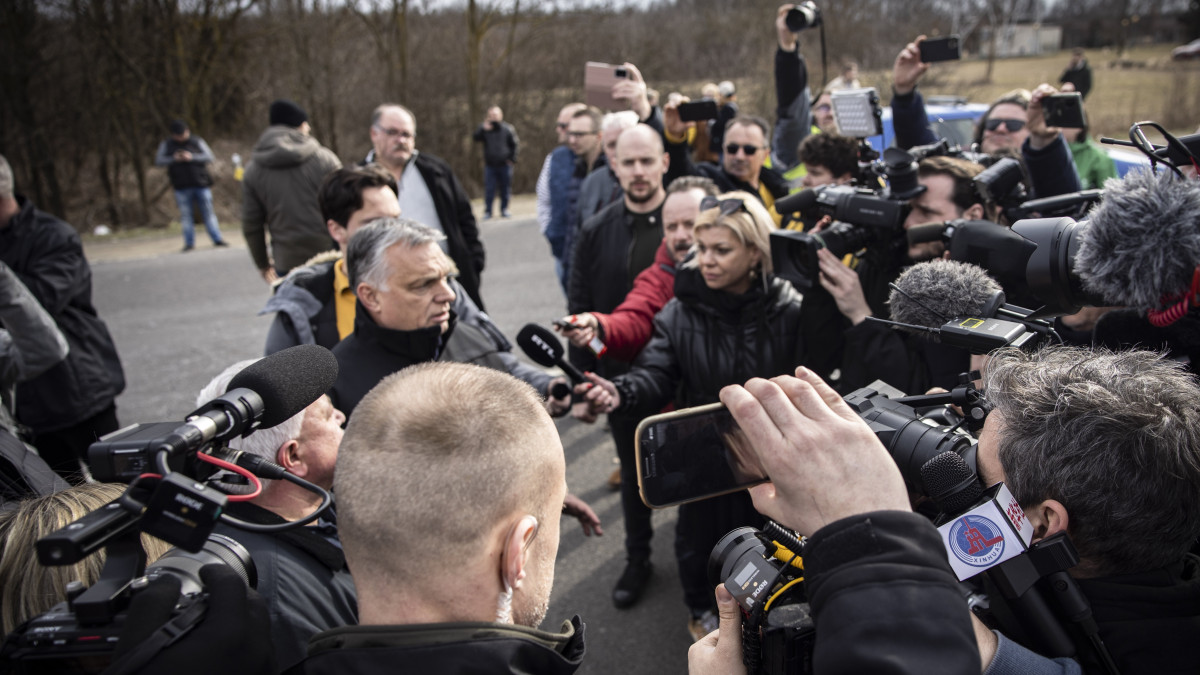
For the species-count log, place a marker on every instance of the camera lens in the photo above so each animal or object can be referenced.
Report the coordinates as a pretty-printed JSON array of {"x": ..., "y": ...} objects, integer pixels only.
[
  {"x": 219, "y": 549},
  {"x": 730, "y": 551}
]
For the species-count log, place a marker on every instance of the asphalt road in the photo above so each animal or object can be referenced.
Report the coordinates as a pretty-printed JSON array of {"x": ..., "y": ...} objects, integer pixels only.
[{"x": 179, "y": 319}]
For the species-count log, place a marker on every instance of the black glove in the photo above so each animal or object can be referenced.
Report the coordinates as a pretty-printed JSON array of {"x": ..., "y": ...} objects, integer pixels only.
[{"x": 231, "y": 638}]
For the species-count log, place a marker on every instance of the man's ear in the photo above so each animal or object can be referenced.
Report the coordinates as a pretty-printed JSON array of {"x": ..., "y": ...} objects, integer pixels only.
[
  {"x": 516, "y": 548},
  {"x": 975, "y": 212},
  {"x": 666, "y": 162},
  {"x": 367, "y": 296},
  {"x": 1048, "y": 519},
  {"x": 337, "y": 232},
  {"x": 288, "y": 456}
]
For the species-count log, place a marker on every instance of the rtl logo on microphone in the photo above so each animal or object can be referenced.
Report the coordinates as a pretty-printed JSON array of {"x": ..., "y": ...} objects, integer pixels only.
[{"x": 991, "y": 532}]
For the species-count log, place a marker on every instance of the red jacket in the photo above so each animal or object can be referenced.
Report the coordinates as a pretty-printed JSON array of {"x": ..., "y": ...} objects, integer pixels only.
[{"x": 629, "y": 327}]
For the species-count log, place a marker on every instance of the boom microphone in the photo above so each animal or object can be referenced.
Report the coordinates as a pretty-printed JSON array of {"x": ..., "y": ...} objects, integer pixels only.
[
  {"x": 930, "y": 293},
  {"x": 1142, "y": 246},
  {"x": 544, "y": 348},
  {"x": 288, "y": 381}
]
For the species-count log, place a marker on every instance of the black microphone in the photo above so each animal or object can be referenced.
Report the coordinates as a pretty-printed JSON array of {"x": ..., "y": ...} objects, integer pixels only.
[
  {"x": 1142, "y": 243},
  {"x": 264, "y": 394},
  {"x": 288, "y": 381},
  {"x": 544, "y": 348}
]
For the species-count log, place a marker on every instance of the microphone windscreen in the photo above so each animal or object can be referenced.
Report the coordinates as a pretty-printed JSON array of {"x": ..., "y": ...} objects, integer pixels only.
[
  {"x": 540, "y": 345},
  {"x": 1143, "y": 240},
  {"x": 950, "y": 482},
  {"x": 288, "y": 381},
  {"x": 940, "y": 290}
]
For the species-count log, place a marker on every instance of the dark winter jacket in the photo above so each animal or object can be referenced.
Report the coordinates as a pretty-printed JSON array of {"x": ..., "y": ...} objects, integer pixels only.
[
  {"x": 705, "y": 339},
  {"x": 562, "y": 172},
  {"x": 446, "y": 648},
  {"x": 305, "y": 307},
  {"x": 885, "y": 600},
  {"x": 600, "y": 274},
  {"x": 1080, "y": 76},
  {"x": 373, "y": 352},
  {"x": 280, "y": 197},
  {"x": 192, "y": 173},
  {"x": 500, "y": 144},
  {"x": 47, "y": 256},
  {"x": 303, "y": 577}
]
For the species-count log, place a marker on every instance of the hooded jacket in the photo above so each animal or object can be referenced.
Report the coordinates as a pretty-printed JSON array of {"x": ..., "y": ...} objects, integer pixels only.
[{"x": 280, "y": 197}]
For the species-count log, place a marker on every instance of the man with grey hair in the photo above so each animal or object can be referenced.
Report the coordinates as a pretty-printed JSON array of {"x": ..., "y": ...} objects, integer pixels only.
[
  {"x": 73, "y": 402},
  {"x": 1103, "y": 446},
  {"x": 492, "y": 484},
  {"x": 429, "y": 192},
  {"x": 408, "y": 312},
  {"x": 302, "y": 572}
]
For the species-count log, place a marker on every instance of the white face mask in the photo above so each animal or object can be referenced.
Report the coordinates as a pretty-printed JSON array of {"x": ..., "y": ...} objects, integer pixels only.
[{"x": 504, "y": 613}]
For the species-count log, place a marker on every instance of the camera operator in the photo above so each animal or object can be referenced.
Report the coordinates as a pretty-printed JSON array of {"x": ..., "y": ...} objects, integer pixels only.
[
  {"x": 1103, "y": 446},
  {"x": 910, "y": 363},
  {"x": 302, "y": 572},
  {"x": 1013, "y": 121},
  {"x": 451, "y": 480}
]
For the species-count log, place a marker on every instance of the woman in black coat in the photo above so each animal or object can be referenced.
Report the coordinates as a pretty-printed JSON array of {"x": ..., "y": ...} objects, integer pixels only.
[{"x": 731, "y": 320}]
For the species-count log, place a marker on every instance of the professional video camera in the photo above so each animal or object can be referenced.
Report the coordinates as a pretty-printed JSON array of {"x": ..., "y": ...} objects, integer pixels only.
[
  {"x": 864, "y": 217},
  {"x": 168, "y": 465}
]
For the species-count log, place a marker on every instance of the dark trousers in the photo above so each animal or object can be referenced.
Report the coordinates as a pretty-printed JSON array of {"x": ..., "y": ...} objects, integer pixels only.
[
  {"x": 701, "y": 525},
  {"x": 496, "y": 178},
  {"x": 638, "y": 529},
  {"x": 63, "y": 449}
]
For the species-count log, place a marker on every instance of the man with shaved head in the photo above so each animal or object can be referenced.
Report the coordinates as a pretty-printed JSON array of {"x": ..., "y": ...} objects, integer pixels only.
[
  {"x": 614, "y": 246},
  {"x": 451, "y": 528}
]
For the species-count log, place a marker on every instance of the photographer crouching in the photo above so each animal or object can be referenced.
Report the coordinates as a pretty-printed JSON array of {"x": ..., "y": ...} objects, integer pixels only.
[{"x": 1102, "y": 446}]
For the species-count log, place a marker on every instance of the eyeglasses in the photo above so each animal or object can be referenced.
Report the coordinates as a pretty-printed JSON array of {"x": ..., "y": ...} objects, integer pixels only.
[
  {"x": 1013, "y": 126},
  {"x": 580, "y": 134},
  {"x": 824, "y": 107},
  {"x": 733, "y": 148},
  {"x": 728, "y": 206},
  {"x": 394, "y": 133}
]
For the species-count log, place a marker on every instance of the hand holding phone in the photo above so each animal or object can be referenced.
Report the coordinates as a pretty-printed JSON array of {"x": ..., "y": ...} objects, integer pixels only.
[{"x": 1063, "y": 110}]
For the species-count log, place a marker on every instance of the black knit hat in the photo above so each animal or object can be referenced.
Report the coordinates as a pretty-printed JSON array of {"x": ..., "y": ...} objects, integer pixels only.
[
  {"x": 287, "y": 113},
  {"x": 177, "y": 127}
]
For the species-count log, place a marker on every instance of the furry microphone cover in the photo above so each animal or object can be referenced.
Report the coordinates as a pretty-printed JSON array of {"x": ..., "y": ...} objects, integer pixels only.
[{"x": 1143, "y": 240}]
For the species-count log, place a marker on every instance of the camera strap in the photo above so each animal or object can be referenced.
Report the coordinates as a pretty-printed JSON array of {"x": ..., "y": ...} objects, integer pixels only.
[{"x": 164, "y": 637}]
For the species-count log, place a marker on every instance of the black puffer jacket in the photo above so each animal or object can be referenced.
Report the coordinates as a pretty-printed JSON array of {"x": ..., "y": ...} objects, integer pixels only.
[{"x": 705, "y": 339}]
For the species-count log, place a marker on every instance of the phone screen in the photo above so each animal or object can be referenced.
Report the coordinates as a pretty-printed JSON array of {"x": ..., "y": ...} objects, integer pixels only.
[
  {"x": 940, "y": 49},
  {"x": 688, "y": 455}
]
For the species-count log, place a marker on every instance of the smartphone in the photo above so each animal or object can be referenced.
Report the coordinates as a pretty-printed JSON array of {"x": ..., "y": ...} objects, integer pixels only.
[
  {"x": 692, "y": 454},
  {"x": 1063, "y": 110},
  {"x": 598, "y": 81},
  {"x": 564, "y": 325},
  {"x": 698, "y": 111},
  {"x": 940, "y": 49}
]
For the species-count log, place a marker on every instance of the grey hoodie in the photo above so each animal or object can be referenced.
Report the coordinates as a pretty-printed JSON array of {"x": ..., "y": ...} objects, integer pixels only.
[{"x": 280, "y": 193}]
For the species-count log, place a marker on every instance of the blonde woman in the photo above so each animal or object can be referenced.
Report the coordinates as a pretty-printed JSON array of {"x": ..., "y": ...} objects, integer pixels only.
[{"x": 731, "y": 320}]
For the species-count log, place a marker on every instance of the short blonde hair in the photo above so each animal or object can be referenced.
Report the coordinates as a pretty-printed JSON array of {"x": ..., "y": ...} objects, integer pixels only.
[
  {"x": 28, "y": 589},
  {"x": 752, "y": 225}
]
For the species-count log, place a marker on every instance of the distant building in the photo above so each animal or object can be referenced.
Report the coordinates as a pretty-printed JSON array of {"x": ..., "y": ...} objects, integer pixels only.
[{"x": 1022, "y": 39}]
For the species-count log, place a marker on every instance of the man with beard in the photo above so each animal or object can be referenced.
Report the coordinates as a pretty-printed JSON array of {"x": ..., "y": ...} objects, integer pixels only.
[
  {"x": 624, "y": 332},
  {"x": 490, "y": 484}
]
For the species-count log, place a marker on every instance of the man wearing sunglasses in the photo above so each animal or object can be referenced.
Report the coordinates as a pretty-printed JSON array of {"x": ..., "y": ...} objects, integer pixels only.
[{"x": 1014, "y": 121}]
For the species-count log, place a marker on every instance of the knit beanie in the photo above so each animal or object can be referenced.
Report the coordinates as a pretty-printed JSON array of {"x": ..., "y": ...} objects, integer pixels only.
[{"x": 287, "y": 113}]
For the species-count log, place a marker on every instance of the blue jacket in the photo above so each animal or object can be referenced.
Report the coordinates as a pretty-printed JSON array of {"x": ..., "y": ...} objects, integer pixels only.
[{"x": 562, "y": 171}]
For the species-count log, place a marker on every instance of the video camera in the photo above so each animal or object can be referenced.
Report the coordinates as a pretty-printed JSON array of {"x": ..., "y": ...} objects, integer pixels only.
[
  {"x": 864, "y": 217},
  {"x": 169, "y": 466}
]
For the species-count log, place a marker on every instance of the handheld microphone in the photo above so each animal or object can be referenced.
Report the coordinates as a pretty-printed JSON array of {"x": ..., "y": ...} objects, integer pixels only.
[{"x": 543, "y": 347}]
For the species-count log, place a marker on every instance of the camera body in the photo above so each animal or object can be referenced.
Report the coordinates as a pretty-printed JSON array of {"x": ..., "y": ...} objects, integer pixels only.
[{"x": 803, "y": 16}]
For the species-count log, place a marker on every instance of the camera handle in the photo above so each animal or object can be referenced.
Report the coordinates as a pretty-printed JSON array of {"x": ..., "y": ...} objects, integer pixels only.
[
  {"x": 974, "y": 406},
  {"x": 125, "y": 560}
]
